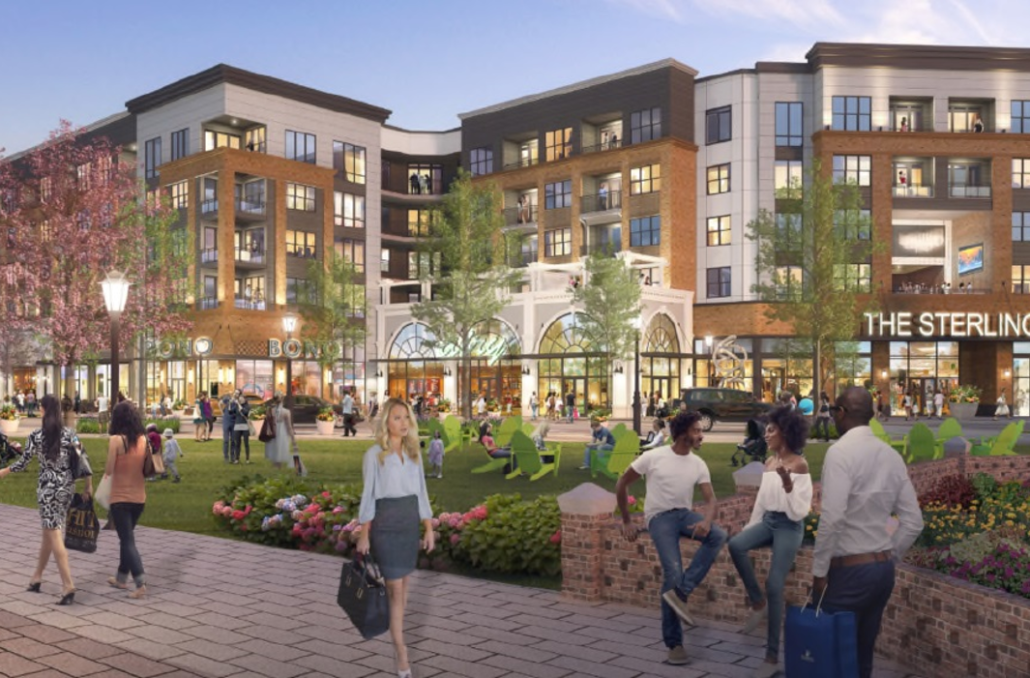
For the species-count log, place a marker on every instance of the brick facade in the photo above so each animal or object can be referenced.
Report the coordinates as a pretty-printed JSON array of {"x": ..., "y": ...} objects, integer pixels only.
[{"x": 935, "y": 624}]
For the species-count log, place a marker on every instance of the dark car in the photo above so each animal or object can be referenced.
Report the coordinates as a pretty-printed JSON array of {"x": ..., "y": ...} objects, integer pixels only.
[
  {"x": 722, "y": 404},
  {"x": 306, "y": 408}
]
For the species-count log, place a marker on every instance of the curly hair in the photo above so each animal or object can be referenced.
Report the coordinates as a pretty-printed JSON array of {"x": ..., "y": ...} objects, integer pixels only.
[
  {"x": 682, "y": 423},
  {"x": 793, "y": 427},
  {"x": 125, "y": 421}
]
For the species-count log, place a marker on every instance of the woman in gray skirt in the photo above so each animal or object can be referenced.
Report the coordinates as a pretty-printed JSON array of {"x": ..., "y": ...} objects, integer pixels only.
[{"x": 393, "y": 502}]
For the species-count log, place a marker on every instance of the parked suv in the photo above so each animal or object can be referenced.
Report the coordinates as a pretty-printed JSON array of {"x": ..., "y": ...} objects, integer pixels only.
[{"x": 722, "y": 404}]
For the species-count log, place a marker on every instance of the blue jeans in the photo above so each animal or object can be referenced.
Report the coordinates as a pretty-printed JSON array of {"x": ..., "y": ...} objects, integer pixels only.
[
  {"x": 666, "y": 530},
  {"x": 536, "y": 411},
  {"x": 602, "y": 452},
  {"x": 864, "y": 590},
  {"x": 125, "y": 516},
  {"x": 227, "y": 443},
  {"x": 785, "y": 537},
  {"x": 569, "y": 409}
]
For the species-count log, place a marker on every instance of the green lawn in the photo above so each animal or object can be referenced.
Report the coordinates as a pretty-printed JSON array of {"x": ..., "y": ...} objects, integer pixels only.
[{"x": 187, "y": 505}]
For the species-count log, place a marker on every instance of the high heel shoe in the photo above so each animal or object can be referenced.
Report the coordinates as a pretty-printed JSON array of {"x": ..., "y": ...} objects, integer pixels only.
[
  {"x": 34, "y": 586},
  {"x": 68, "y": 598}
]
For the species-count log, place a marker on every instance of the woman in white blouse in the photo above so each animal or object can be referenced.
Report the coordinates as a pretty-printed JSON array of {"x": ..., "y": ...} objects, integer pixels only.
[
  {"x": 393, "y": 502},
  {"x": 778, "y": 519}
]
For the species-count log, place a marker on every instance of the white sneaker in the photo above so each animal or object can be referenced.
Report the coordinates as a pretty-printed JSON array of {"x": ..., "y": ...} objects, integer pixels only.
[{"x": 754, "y": 620}]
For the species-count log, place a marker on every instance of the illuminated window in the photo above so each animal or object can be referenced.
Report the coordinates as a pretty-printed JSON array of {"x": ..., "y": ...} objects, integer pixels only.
[
  {"x": 558, "y": 243},
  {"x": 300, "y": 197},
  {"x": 718, "y": 231},
  {"x": 718, "y": 179},
  {"x": 213, "y": 140},
  {"x": 300, "y": 244},
  {"x": 348, "y": 210},
  {"x": 180, "y": 195},
  {"x": 349, "y": 162},
  {"x": 558, "y": 144},
  {"x": 646, "y": 179}
]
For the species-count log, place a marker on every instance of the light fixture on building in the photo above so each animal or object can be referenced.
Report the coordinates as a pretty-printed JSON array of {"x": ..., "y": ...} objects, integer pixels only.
[
  {"x": 1008, "y": 373},
  {"x": 379, "y": 374},
  {"x": 447, "y": 372},
  {"x": 883, "y": 374},
  {"x": 525, "y": 370}
]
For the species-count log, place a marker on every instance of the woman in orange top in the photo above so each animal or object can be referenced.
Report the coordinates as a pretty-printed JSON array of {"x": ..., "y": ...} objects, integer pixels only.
[{"x": 125, "y": 455}]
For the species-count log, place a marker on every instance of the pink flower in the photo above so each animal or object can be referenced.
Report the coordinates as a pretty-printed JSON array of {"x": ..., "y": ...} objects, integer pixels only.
[
  {"x": 238, "y": 515},
  {"x": 435, "y": 522},
  {"x": 341, "y": 546},
  {"x": 453, "y": 522},
  {"x": 632, "y": 500},
  {"x": 338, "y": 510},
  {"x": 455, "y": 538},
  {"x": 556, "y": 537},
  {"x": 227, "y": 511},
  {"x": 327, "y": 494}
]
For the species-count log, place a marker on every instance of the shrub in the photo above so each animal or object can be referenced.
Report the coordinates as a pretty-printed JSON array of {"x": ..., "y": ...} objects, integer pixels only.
[
  {"x": 162, "y": 424},
  {"x": 1006, "y": 567},
  {"x": 984, "y": 484},
  {"x": 954, "y": 490},
  {"x": 975, "y": 548},
  {"x": 811, "y": 528},
  {"x": 87, "y": 424},
  {"x": 516, "y": 536}
]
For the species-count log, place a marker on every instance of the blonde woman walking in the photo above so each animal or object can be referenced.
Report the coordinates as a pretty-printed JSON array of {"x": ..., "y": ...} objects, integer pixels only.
[{"x": 393, "y": 502}]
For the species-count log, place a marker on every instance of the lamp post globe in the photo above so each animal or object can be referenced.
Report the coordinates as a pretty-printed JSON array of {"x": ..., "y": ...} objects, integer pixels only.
[
  {"x": 289, "y": 326},
  {"x": 115, "y": 288}
]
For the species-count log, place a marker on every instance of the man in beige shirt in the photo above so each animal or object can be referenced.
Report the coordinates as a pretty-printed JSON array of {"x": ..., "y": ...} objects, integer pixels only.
[{"x": 864, "y": 481}]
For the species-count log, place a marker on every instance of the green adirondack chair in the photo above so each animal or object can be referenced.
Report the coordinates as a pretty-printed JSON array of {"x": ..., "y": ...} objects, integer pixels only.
[
  {"x": 921, "y": 444},
  {"x": 618, "y": 431},
  {"x": 503, "y": 433},
  {"x": 1002, "y": 445},
  {"x": 881, "y": 433},
  {"x": 455, "y": 436},
  {"x": 622, "y": 455},
  {"x": 528, "y": 459},
  {"x": 950, "y": 428},
  {"x": 493, "y": 464}
]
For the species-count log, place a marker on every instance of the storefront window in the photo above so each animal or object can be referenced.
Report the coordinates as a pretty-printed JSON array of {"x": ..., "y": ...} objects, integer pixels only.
[
  {"x": 256, "y": 377},
  {"x": 1021, "y": 378},
  {"x": 920, "y": 368},
  {"x": 573, "y": 365},
  {"x": 853, "y": 365},
  {"x": 660, "y": 374}
]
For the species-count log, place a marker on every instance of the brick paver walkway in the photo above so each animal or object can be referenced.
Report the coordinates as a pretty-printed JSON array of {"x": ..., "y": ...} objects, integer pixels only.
[{"x": 219, "y": 608}]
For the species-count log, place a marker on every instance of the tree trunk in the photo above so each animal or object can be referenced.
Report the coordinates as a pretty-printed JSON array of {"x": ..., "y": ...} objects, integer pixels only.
[
  {"x": 466, "y": 382},
  {"x": 818, "y": 370}
]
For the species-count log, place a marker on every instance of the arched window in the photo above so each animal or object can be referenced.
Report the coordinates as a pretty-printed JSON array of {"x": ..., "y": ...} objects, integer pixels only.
[
  {"x": 410, "y": 343},
  {"x": 494, "y": 340},
  {"x": 569, "y": 363},
  {"x": 565, "y": 335},
  {"x": 659, "y": 371},
  {"x": 661, "y": 336}
]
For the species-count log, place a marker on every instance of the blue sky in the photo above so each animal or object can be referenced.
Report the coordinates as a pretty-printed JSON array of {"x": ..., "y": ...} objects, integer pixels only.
[{"x": 428, "y": 61}]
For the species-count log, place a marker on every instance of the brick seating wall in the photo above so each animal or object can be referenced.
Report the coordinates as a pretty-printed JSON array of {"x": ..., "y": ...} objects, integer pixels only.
[{"x": 933, "y": 620}]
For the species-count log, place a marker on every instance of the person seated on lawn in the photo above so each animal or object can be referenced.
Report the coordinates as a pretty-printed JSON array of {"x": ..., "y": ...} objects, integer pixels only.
[
  {"x": 486, "y": 438},
  {"x": 655, "y": 437},
  {"x": 603, "y": 442}
]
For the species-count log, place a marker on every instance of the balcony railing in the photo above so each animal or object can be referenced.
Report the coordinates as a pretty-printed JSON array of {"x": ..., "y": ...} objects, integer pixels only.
[
  {"x": 250, "y": 256},
  {"x": 209, "y": 256},
  {"x": 301, "y": 252},
  {"x": 516, "y": 216},
  {"x": 250, "y": 207},
  {"x": 522, "y": 163},
  {"x": 209, "y": 206},
  {"x": 208, "y": 303},
  {"x": 599, "y": 202},
  {"x": 250, "y": 304},
  {"x": 913, "y": 191},
  {"x": 964, "y": 191},
  {"x": 606, "y": 146}
]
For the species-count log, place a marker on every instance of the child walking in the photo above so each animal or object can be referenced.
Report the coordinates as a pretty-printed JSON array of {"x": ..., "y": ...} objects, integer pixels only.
[
  {"x": 172, "y": 452},
  {"x": 436, "y": 456}
]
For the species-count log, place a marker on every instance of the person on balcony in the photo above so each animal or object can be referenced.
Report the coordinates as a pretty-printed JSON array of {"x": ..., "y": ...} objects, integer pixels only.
[{"x": 602, "y": 196}]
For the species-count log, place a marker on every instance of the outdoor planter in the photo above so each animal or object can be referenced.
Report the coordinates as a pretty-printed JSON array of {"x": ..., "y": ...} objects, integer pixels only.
[
  {"x": 325, "y": 428},
  {"x": 9, "y": 426},
  {"x": 963, "y": 411}
]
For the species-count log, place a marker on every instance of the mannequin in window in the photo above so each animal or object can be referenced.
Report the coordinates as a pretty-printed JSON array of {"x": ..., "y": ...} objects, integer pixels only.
[{"x": 904, "y": 125}]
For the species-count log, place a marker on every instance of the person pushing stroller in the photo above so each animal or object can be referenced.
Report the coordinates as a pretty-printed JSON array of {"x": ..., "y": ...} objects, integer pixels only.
[{"x": 754, "y": 447}]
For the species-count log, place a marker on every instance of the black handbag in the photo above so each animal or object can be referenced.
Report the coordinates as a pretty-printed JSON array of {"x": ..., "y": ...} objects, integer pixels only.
[
  {"x": 362, "y": 596},
  {"x": 81, "y": 526},
  {"x": 78, "y": 462}
]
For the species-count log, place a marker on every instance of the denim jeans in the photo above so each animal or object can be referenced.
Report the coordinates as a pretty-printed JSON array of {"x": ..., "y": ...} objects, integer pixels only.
[
  {"x": 125, "y": 517},
  {"x": 601, "y": 451},
  {"x": 864, "y": 590},
  {"x": 226, "y": 443},
  {"x": 666, "y": 530},
  {"x": 821, "y": 424},
  {"x": 785, "y": 537},
  {"x": 240, "y": 440},
  {"x": 536, "y": 411}
]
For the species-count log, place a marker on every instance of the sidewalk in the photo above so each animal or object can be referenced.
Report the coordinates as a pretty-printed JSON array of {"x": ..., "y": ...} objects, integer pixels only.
[{"x": 220, "y": 608}]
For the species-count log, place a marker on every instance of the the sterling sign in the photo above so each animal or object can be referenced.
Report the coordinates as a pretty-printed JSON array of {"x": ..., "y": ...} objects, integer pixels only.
[{"x": 944, "y": 324}]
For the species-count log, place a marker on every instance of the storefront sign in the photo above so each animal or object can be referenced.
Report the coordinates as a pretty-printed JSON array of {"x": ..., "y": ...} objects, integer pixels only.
[
  {"x": 295, "y": 348},
  {"x": 943, "y": 324},
  {"x": 180, "y": 348}
]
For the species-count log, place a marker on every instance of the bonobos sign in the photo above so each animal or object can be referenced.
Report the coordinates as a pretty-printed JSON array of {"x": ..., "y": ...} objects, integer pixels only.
[{"x": 945, "y": 324}]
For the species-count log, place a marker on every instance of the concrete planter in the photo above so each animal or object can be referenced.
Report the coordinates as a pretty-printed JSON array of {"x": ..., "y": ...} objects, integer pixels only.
[
  {"x": 9, "y": 426},
  {"x": 963, "y": 411},
  {"x": 325, "y": 428}
]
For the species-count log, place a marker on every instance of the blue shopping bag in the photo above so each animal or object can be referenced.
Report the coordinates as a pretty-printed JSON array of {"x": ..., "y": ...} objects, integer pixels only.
[{"x": 820, "y": 644}]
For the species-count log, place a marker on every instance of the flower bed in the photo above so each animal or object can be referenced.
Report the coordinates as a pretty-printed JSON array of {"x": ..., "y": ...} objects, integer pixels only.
[{"x": 504, "y": 534}]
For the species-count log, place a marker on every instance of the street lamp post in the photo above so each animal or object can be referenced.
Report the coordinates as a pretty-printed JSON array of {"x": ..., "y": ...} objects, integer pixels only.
[
  {"x": 116, "y": 292},
  {"x": 711, "y": 368},
  {"x": 637, "y": 323},
  {"x": 289, "y": 325}
]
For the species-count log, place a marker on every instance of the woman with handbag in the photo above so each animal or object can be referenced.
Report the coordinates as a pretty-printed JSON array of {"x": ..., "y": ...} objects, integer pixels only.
[
  {"x": 60, "y": 458},
  {"x": 127, "y": 453},
  {"x": 277, "y": 449},
  {"x": 393, "y": 502},
  {"x": 241, "y": 429}
]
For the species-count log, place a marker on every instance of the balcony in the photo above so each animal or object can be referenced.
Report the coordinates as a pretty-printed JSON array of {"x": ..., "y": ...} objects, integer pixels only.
[
  {"x": 966, "y": 191},
  {"x": 522, "y": 162},
  {"x": 604, "y": 146},
  {"x": 525, "y": 216},
  {"x": 208, "y": 256},
  {"x": 250, "y": 208},
  {"x": 250, "y": 304},
  {"x": 908, "y": 191},
  {"x": 600, "y": 202},
  {"x": 254, "y": 257},
  {"x": 207, "y": 303},
  {"x": 209, "y": 207}
]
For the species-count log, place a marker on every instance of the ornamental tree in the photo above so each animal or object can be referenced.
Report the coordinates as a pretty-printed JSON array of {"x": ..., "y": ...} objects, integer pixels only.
[
  {"x": 333, "y": 308},
  {"x": 72, "y": 210}
]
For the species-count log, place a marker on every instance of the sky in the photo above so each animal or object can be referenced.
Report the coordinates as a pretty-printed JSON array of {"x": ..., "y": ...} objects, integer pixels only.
[{"x": 429, "y": 61}]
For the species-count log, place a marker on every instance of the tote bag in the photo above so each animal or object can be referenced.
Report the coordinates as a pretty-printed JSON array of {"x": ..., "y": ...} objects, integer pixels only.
[
  {"x": 103, "y": 494},
  {"x": 81, "y": 526},
  {"x": 362, "y": 595},
  {"x": 820, "y": 644}
]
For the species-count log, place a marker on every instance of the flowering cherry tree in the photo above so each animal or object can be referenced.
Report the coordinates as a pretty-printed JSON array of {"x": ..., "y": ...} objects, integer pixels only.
[{"x": 71, "y": 210}]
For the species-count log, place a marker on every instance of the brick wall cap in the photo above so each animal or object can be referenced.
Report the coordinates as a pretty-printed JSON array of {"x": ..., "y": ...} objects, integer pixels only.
[{"x": 587, "y": 499}]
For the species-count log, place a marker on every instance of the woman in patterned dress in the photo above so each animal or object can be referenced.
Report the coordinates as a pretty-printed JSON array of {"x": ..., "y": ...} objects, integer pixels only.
[{"x": 53, "y": 444}]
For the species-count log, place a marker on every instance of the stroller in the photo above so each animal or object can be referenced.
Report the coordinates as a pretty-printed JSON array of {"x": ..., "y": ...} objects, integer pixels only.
[
  {"x": 8, "y": 451},
  {"x": 753, "y": 448}
]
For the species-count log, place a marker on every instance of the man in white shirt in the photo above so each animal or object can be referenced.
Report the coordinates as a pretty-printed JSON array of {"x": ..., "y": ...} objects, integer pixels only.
[
  {"x": 347, "y": 409},
  {"x": 864, "y": 481},
  {"x": 671, "y": 473}
]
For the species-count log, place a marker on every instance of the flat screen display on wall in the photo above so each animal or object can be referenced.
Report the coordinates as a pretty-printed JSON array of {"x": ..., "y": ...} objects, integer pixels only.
[{"x": 970, "y": 259}]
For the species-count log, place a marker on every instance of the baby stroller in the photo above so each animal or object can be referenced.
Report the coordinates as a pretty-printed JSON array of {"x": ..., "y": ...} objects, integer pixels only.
[
  {"x": 753, "y": 448},
  {"x": 8, "y": 451}
]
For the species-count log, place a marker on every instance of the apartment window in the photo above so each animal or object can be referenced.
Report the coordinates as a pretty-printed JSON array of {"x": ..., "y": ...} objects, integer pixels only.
[
  {"x": 213, "y": 140},
  {"x": 719, "y": 282},
  {"x": 300, "y": 197},
  {"x": 418, "y": 222},
  {"x": 645, "y": 231},
  {"x": 256, "y": 139},
  {"x": 788, "y": 175},
  {"x": 558, "y": 243},
  {"x": 413, "y": 266},
  {"x": 1021, "y": 226},
  {"x": 349, "y": 161},
  {"x": 348, "y": 210},
  {"x": 853, "y": 114},
  {"x": 853, "y": 277},
  {"x": 384, "y": 260},
  {"x": 529, "y": 249},
  {"x": 180, "y": 144},
  {"x": 558, "y": 195},
  {"x": 646, "y": 179},
  {"x": 300, "y": 244},
  {"x": 645, "y": 125},
  {"x": 481, "y": 161},
  {"x": 352, "y": 251},
  {"x": 854, "y": 224},
  {"x": 425, "y": 179},
  {"x": 788, "y": 123},
  {"x": 298, "y": 290},
  {"x": 852, "y": 169},
  {"x": 788, "y": 231},
  {"x": 300, "y": 146},
  {"x": 718, "y": 125},
  {"x": 718, "y": 231},
  {"x": 1021, "y": 173},
  {"x": 558, "y": 144},
  {"x": 1021, "y": 279},
  {"x": 719, "y": 179},
  {"x": 964, "y": 117},
  {"x": 152, "y": 157},
  {"x": 790, "y": 281},
  {"x": 180, "y": 195}
]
